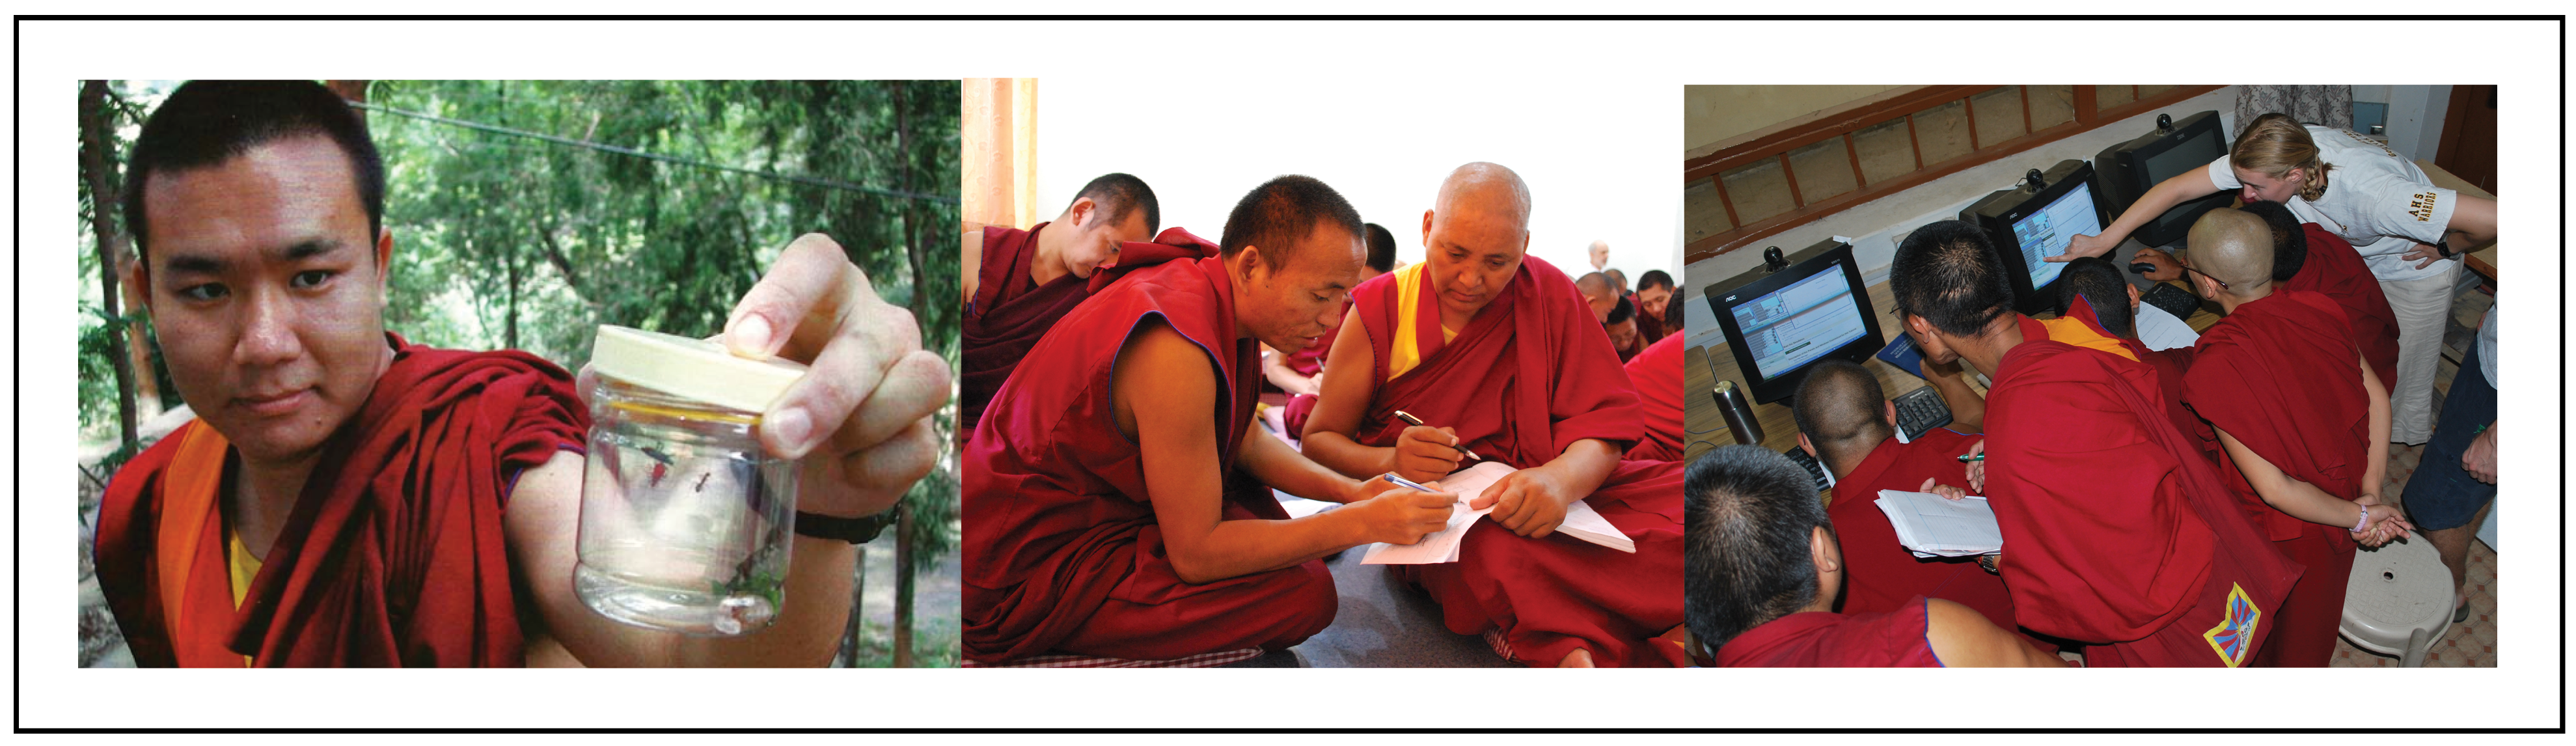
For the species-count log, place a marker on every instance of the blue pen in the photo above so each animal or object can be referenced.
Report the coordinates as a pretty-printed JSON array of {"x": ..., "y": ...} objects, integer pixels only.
[{"x": 1391, "y": 477}]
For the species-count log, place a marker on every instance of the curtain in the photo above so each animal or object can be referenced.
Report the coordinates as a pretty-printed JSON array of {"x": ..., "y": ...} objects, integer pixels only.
[{"x": 2328, "y": 105}]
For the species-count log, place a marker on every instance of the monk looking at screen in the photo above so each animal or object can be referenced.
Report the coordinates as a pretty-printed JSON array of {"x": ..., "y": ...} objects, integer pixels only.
[
  {"x": 2111, "y": 302},
  {"x": 1099, "y": 518},
  {"x": 1496, "y": 351},
  {"x": 347, "y": 498},
  {"x": 1026, "y": 279},
  {"x": 2304, "y": 423},
  {"x": 1765, "y": 569},
  {"x": 2117, "y": 532}
]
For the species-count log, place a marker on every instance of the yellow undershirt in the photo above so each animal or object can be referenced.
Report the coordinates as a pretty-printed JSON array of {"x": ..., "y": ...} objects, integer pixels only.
[
  {"x": 242, "y": 567},
  {"x": 1406, "y": 352},
  {"x": 2075, "y": 332}
]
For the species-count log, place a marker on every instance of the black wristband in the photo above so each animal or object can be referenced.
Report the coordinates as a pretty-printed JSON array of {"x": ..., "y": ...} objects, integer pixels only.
[{"x": 852, "y": 530}]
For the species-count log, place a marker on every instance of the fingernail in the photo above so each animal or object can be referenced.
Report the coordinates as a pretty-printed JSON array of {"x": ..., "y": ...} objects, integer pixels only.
[
  {"x": 789, "y": 429},
  {"x": 750, "y": 334}
]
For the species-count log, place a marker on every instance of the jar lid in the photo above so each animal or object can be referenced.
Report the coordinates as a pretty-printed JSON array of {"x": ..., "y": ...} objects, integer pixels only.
[{"x": 692, "y": 368}]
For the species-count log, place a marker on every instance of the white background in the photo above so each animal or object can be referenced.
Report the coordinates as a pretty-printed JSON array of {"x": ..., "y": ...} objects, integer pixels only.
[{"x": 1625, "y": 77}]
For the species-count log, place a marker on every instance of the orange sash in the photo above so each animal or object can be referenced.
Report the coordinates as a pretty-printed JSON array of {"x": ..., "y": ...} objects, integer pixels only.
[{"x": 188, "y": 540}]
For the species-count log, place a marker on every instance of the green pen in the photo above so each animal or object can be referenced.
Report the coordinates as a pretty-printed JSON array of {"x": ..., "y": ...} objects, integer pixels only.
[{"x": 1972, "y": 457}]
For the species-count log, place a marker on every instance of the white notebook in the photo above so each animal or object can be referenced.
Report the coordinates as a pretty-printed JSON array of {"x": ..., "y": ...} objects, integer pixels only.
[
  {"x": 1581, "y": 522},
  {"x": 2161, "y": 331},
  {"x": 1933, "y": 526}
]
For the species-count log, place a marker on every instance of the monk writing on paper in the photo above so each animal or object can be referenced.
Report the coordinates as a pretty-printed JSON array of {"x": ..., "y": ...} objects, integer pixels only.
[
  {"x": 1496, "y": 352},
  {"x": 1117, "y": 497}
]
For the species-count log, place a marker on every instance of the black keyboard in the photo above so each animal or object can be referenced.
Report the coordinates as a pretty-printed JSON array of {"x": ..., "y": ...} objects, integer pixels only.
[
  {"x": 1920, "y": 410},
  {"x": 1813, "y": 468}
]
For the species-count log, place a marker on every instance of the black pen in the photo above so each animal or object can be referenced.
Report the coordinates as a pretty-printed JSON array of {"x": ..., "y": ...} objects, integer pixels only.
[{"x": 1417, "y": 422}]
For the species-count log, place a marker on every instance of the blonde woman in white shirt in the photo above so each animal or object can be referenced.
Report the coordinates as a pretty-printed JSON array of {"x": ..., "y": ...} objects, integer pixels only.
[{"x": 2409, "y": 232}]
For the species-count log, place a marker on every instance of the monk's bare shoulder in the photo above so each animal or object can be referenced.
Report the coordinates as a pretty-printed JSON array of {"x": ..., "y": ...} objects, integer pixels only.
[{"x": 1160, "y": 371}]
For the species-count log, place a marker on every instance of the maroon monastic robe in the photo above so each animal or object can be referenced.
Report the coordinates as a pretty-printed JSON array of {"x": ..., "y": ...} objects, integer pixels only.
[
  {"x": 2117, "y": 532},
  {"x": 1657, "y": 373},
  {"x": 1062, "y": 551},
  {"x": 1010, "y": 312},
  {"x": 1879, "y": 574},
  {"x": 393, "y": 554},
  {"x": 2334, "y": 269},
  {"x": 2280, "y": 376},
  {"x": 1529, "y": 376},
  {"x": 1898, "y": 637}
]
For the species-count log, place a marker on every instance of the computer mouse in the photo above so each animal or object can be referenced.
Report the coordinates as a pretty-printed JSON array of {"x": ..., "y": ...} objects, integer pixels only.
[{"x": 2142, "y": 267}]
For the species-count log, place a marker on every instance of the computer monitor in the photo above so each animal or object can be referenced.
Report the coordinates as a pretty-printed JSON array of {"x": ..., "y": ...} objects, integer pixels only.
[
  {"x": 2127, "y": 170},
  {"x": 1781, "y": 322},
  {"x": 2027, "y": 227}
]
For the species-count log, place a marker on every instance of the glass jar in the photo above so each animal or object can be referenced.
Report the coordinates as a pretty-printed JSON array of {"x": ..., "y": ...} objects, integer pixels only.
[{"x": 686, "y": 524}]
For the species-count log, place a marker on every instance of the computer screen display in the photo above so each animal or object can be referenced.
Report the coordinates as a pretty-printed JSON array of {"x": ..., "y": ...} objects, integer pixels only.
[
  {"x": 2047, "y": 232},
  {"x": 1789, "y": 327}
]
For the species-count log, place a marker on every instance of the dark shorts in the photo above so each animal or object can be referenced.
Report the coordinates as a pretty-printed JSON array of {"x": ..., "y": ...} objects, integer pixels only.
[{"x": 2441, "y": 494}]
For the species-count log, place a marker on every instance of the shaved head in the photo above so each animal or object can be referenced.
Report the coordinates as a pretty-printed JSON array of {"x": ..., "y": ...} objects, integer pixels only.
[
  {"x": 1843, "y": 412},
  {"x": 1595, "y": 288},
  {"x": 2233, "y": 247},
  {"x": 1486, "y": 186}
]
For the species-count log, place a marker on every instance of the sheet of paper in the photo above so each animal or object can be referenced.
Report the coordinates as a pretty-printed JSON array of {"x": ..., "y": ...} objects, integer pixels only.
[
  {"x": 1581, "y": 522},
  {"x": 1931, "y": 525},
  {"x": 2161, "y": 331}
]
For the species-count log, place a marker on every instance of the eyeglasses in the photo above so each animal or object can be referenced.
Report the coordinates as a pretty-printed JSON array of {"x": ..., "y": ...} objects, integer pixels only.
[{"x": 2222, "y": 284}]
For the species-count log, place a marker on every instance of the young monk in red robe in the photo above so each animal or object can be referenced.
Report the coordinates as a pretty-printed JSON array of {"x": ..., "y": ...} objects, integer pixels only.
[
  {"x": 1657, "y": 374},
  {"x": 2306, "y": 256},
  {"x": 1026, "y": 279},
  {"x": 2112, "y": 303},
  {"x": 346, "y": 498},
  {"x": 1497, "y": 352},
  {"x": 2304, "y": 422},
  {"x": 1846, "y": 422},
  {"x": 1098, "y": 515},
  {"x": 1765, "y": 568},
  {"x": 2117, "y": 533}
]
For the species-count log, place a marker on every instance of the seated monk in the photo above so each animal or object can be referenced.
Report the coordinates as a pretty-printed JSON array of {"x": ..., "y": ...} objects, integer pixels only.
[
  {"x": 1026, "y": 279},
  {"x": 2117, "y": 533},
  {"x": 1654, "y": 294},
  {"x": 347, "y": 498},
  {"x": 1300, "y": 373},
  {"x": 1765, "y": 567},
  {"x": 2304, "y": 423},
  {"x": 2113, "y": 303},
  {"x": 1621, "y": 325},
  {"x": 1595, "y": 288},
  {"x": 1120, "y": 504},
  {"x": 1657, "y": 374},
  {"x": 1494, "y": 350},
  {"x": 2306, "y": 256},
  {"x": 1847, "y": 423}
]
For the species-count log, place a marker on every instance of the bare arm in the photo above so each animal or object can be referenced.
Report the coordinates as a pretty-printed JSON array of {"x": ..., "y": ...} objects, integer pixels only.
[
  {"x": 541, "y": 526},
  {"x": 2374, "y": 477},
  {"x": 1282, "y": 468},
  {"x": 1967, "y": 409},
  {"x": 2300, "y": 499},
  {"x": 1274, "y": 367},
  {"x": 2183, "y": 187},
  {"x": 2473, "y": 224},
  {"x": 1962, "y": 638},
  {"x": 1165, "y": 393},
  {"x": 1421, "y": 454}
]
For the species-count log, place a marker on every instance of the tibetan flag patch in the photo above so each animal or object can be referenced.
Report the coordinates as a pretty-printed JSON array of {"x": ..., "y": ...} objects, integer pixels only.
[{"x": 2234, "y": 636}]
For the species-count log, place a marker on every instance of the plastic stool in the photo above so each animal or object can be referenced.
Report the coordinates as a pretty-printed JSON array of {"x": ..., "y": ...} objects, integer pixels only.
[{"x": 2398, "y": 601}]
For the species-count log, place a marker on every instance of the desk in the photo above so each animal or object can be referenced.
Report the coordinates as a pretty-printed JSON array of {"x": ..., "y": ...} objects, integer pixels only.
[
  {"x": 2482, "y": 260},
  {"x": 1702, "y": 367}
]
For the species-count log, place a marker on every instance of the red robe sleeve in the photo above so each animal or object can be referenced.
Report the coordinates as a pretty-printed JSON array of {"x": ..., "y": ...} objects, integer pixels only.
[{"x": 1657, "y": 374}]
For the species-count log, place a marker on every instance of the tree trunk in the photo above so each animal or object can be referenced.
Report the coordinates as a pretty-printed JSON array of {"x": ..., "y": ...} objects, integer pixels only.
[
  {"x": 355, "y": 91},
  {"x": 510, "y": 313},
  {"x": 97, "y": 172},
  {"x": 903, "y": 520},
  {"x": 858, "y": 609}
]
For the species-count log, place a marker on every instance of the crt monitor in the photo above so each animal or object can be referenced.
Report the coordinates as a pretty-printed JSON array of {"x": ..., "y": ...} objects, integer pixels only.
[
  {"x": 2026, "y": 227},
  {"x": 1781, "y": 321},
  {"x": 2127, "y": 170}
]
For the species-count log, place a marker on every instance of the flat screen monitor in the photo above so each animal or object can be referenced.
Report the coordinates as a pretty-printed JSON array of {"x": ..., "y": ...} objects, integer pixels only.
[
  {"x": 2026, "y": 228},
  {"x": 2127, "y": 170},
  {"x": 1781, "y": 322}
]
